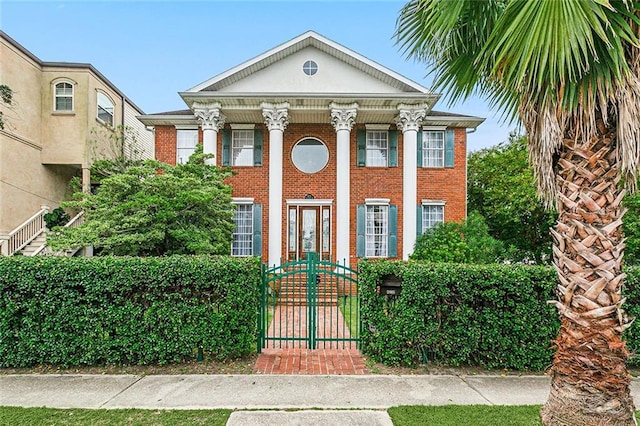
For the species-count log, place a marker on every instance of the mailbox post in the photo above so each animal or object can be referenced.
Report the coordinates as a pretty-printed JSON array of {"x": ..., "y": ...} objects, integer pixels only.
[{"x": 391, "y": 286}]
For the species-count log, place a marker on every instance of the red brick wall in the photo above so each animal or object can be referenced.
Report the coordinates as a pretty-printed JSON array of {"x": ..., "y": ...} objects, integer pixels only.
[{"x": 447, "y": 184}]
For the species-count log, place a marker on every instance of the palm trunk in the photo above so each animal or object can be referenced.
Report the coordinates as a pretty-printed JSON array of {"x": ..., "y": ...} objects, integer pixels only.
[{"x": 590, "y": 381}]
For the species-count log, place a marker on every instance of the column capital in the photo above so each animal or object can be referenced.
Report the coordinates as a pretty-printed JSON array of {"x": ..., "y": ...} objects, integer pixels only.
[
  {"x": 343, "y": 116},
  {"x": 410, "y": 116},
  {"x": 276, "y": 116},
  {"x": 209, "y": 115}
]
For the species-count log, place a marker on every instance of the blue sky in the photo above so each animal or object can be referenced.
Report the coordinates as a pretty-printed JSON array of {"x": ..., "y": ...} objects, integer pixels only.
[{"x": 151, "y": 50}]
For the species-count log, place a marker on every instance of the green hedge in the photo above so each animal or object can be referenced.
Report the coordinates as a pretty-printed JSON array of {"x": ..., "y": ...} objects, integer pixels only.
[
  {"x": 492, "y": 316},
  {"x": 109, "y": 310}
]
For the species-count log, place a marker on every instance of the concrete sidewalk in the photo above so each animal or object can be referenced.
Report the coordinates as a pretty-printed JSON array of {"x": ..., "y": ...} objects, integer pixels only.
[{"x": 367, "y": 394}]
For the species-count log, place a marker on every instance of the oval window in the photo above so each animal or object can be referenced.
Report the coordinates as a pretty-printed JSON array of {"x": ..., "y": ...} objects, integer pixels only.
[{"x": 310, "y": 155}]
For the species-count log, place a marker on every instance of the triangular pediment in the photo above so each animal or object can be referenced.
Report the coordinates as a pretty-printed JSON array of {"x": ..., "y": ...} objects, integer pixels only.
[{"x": 339, "y": 70}]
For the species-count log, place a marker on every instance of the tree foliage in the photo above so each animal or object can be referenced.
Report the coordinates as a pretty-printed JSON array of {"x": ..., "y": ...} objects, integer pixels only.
[
  {"x": 6, "y": 96},
  {"x": 153, "y": 209},
  {"x": 501, "y": 188},
  {"x": 466, "y": 242}
]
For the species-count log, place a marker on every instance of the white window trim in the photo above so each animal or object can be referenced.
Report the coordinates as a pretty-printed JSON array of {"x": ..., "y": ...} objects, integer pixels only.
[
  {"x": 242, "y": 126},
  {"x": 377, "y": 126},
  {"x": 371, "y": 128},
  {"x": 309, "y": 202},
  {"x": 182, "y": 128},
  {"x": 425, "y": 150},
  {"x": 428, "y": 203},
  {"x": 433, "y": 128},
  {"x": 244, "y": 202},
  {"x": 241, "y": 200},
  {"x": 73, "y": 96},
  {"x": 433, "y": 202},
  {"x": 113, "y": 105},
  {"x": 233, "y": 132},
  {"x": 371, "y": 202},
  {"x": 377, "y": 201}
]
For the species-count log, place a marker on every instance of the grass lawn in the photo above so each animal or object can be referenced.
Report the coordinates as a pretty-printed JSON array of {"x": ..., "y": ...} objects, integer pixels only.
[
  {"x": 462, "y": 415},
  {"x": 18, "y": 416},
  {"x": 349, "y": 307},
  {"x": 467, "y": 415}
]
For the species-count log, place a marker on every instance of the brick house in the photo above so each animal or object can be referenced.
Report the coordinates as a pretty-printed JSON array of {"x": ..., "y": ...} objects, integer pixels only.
[{"x": 334, "y": 153}]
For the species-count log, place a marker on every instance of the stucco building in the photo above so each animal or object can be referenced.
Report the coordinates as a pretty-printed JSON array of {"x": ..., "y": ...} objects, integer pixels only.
[
  {"x": 61, "y": 117},
  {"x": 334, "y": 153}
]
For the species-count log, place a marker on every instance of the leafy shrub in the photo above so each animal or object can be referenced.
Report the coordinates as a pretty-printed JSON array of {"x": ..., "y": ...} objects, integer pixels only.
[
  {"x": 466, "y": 242},
  {"x": 99, "y": 311},
  {"x": 57, "y": 217},
  {"x": 491, "y": 316}
]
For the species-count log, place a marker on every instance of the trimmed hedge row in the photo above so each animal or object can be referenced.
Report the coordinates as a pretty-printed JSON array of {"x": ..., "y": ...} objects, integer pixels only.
[
  {"x": 491, "y": 316},
  {"x": 109, "y": 310}
]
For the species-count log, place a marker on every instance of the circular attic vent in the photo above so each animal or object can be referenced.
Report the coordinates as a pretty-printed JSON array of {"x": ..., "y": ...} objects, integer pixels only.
[{"x": 310, "y": 68}]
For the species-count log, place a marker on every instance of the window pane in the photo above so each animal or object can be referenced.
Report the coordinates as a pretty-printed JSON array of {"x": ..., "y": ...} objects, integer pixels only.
[
  {"x": 242, "y": 148},
  {"x": 433, "y": 149},
  {"x": 377, "y": 231},
  {"x": 64, "y": 104},
  {"x": 242, "y": 244},
  {"x": 431, "y": 216},
  {"x": 377, "y": 146},
  {"x": 63, "y": 97},
  {"x": 186, "y": 145},
  {"x": 105, "y": 108},
  {"x": 310, "y": 155}
]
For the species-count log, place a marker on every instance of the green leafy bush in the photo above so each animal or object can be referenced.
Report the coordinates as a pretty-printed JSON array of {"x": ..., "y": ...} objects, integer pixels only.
[
  {"x": 466, "y": 242},
  {"x": 488, "y": 316},
  {"x": 109, "y": 310},
  {"x": 491, "y": 316},
  {"x": 57, "y": 217}
]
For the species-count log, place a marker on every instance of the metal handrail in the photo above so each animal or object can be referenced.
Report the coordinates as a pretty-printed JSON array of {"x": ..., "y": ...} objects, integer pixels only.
[{"x": 26, "y": 232}]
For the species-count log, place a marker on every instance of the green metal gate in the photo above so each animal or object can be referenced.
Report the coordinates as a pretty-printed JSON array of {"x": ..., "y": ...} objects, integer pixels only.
[{"x": 309, "y": 303}]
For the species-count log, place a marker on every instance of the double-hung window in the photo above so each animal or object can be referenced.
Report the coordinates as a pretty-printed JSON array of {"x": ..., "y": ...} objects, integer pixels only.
[
  {"x": 432, "y": 214},
  {"x": 105, "y": 109},
  {"x": 242, "y": 243},
  {"x": 433, "y": 148},
  {"x": 242, "y": 145},
  {"x": 63, "y": 93},
  {"x": 242, "y": 148},
  {"x": 377, "y": 228},
  {"x": 377, "y": 231},
  {"x": 187, "y": 139},
  {"x": 377, "y": 148},
  {"x": 247, "y": 234}
]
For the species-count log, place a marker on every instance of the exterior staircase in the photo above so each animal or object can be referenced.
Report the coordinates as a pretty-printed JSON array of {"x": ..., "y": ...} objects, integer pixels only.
[
  {"x": 30, "y": 238},
  {"x": 293, "y": 290},
  {"x": 36, "y": 246}
]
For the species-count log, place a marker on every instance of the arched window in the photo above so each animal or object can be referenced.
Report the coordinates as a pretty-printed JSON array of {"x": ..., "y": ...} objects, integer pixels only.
[
  {"x": 63, "y": 96},
  {"x": 105, "y": 109}
]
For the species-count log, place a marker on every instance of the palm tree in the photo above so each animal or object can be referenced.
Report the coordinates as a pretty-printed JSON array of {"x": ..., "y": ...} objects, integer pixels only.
[{"x": 570, "y": 70}]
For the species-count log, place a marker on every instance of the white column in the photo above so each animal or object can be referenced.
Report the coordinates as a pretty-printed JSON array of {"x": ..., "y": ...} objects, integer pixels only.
[
  {"x": 343, "y": 117},
  {"x": 276, "y": 117},
  {"x": 409, "y": 120},
  {"x": 211, "y": 119}
]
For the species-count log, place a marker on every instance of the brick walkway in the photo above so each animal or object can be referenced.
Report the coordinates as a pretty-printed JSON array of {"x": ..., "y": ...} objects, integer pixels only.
[
  {"x": 310, "y": 361},
  {"x": 293, "y": 357}
]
